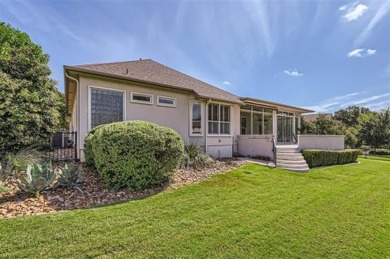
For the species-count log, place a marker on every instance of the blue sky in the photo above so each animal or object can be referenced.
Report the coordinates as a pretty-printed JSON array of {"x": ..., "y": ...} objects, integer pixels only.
[{"x": 323, "y": 55}]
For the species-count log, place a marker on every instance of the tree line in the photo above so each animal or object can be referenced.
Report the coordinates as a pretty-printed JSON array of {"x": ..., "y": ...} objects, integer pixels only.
[{"x": 360, "y": 125}]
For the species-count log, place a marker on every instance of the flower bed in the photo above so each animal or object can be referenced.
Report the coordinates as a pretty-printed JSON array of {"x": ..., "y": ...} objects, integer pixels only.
[{"x": 14, "y": 203}]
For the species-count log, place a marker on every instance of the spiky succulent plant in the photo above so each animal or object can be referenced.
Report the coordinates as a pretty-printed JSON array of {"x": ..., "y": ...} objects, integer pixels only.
[{"x": 37, "y": 178}]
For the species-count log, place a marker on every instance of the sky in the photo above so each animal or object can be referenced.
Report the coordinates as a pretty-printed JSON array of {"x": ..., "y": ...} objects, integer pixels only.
[{"x": 322, "y": 55}]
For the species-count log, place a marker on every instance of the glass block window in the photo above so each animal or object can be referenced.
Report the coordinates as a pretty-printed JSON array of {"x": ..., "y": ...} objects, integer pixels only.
[
  {"x": 106, "y": 106},
  {"x": 218, "y": 119}
]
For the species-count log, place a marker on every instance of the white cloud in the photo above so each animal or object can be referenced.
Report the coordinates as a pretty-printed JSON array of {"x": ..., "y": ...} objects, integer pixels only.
[
  {"x": 354, "y": 12},
  {"x": 226, "y": 82},
  {"x": 361, "y": 53},
  {"x": 334, "y": 103},
  {"x": 382, "y": 11},
  {"x": 343, "y": 7},
  {"x": 365, "y": 100},
  {"x": 292, "y": 72}
]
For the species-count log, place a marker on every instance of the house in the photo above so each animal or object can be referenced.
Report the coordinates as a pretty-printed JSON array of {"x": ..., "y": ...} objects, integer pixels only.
[
  {"x": 222, "y": 123},
  {"x": 314, "y": 116}
]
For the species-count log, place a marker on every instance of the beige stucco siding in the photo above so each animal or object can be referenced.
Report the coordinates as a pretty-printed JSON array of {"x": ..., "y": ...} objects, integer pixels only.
[{"x": 173, "y": 117}]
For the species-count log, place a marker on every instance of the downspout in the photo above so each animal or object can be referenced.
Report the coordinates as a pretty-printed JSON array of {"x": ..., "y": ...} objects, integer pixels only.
[
  {"x": 207, "y": 125},
  {"x": 77, "y": 110}
]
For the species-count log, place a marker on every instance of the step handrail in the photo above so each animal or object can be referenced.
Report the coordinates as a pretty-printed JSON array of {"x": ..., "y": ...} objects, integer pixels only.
[{"x": 274, "y": 149}]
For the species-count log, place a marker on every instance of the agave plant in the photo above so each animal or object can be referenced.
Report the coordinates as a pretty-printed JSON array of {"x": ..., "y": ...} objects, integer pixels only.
[
  {"x": 70, "y": 176},
  {"x": 37, "y": 178}
]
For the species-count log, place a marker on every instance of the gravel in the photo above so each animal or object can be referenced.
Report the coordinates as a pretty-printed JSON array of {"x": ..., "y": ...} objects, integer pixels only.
[{"x": 91, "y": 192}]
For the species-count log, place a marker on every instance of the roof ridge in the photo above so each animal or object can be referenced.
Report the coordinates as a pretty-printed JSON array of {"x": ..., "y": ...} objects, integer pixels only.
[{"x": 112, "y": 63}]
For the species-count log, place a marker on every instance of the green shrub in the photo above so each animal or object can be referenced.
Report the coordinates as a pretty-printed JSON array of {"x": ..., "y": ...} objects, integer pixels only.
[
  {"x": 134, "y": 154},
  {"x": 70, "y": 176},
  {"x": 380, "y": 151},
  {"x": 11, "y": 164},
  {"x": 194, "y": 157},
  {"x": 316, "y": 158},
  {"x": 88, "y": 154},
  {"x": 37, "y": 178}
]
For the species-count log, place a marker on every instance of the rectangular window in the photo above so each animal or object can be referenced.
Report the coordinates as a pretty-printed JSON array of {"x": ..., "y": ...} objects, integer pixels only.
[
  {"x": 141, "y": 98},
  {"x": 196, "y": 118},
  {"x": 218, "y": 119},
  {"x": 166, "y": 101},
  {"x": 106, "y": 106}
]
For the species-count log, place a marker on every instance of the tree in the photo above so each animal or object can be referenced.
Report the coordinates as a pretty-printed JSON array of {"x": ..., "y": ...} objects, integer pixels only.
[
  {"x": 31, "y": 107},
  {"x": 374, "y": 128},
  {"x": 350, "y": 115},
  {"x": 321, "y": 126}
]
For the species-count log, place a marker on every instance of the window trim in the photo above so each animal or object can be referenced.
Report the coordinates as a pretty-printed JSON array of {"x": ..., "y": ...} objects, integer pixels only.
[
  {"x": 107, "y": 89},
  {"x": 141, "y": 94},
  {"x": 201, "y": 119},
  {"x": 174, "y": 105},
  {"x": 219, "y": 119}
]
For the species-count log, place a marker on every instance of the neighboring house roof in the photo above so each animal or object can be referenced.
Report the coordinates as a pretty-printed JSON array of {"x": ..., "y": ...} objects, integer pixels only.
[
  {"x": 313, "y": 117},
  {"x": 273, "y": 105},
  {"x": 149, "y": 71}
]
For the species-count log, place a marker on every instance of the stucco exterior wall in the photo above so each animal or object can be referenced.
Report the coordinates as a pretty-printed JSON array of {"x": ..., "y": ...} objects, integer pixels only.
[
  {"x": 323, "y": 142},
  {"x": 254, "y": 145},
  {"x": 173, "y": 117}
]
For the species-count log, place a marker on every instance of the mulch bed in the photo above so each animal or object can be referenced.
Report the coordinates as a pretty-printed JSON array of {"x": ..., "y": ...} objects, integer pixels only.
[{"x": 14, "y": 203}]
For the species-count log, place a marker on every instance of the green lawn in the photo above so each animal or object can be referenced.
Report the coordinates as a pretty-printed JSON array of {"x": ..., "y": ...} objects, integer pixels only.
[
  {"x": 340, "y": 211},
  {"x": 375, "y": 157}
]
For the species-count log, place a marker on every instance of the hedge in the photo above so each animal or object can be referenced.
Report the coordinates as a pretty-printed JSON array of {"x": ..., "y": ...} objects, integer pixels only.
[
  {"x": 316, "y": 158},
  {"x": 380, "y": 151},
  {"x": 133, "y": 154}
]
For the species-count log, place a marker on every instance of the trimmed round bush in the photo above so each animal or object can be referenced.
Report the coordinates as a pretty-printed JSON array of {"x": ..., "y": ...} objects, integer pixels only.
[{"x": 134, "y": 154}]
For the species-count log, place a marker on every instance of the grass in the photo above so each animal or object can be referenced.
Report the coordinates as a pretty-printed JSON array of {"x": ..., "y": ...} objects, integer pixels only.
[
  {"x": 253, "y": 211},
  {"x": 376, "y": 157}
]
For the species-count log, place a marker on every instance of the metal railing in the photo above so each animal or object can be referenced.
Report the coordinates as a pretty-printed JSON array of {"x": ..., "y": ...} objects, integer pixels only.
[
  {"x": 63, "y": 147},
  {"x": 274, "y": 149}
]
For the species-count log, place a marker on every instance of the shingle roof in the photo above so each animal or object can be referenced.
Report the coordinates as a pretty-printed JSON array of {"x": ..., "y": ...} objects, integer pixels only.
[
  {"x": 313, "y": 117},
  {"x": 149, "y": 71}
]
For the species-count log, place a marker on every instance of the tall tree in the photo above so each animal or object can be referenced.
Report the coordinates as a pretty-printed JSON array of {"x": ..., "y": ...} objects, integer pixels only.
[
  {"x": 350, "y": 115},
  {"x": 374, "y": 128},
  {"x": 31, "y": 107}
]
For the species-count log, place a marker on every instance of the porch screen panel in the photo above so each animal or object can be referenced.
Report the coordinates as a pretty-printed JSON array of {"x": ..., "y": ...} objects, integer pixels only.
[
  {"x": 246, "y": 122},
  {"x": 106, "y": 106},
  {"x": 257, "y": 123},
  {"x": 267, "y": 123}
]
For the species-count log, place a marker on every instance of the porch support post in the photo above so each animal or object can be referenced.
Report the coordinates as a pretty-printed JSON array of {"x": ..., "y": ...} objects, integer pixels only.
[{"x": 274, "y": 125}]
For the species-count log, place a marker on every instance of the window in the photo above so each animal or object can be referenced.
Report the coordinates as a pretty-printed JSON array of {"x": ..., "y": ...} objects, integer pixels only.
[
  {"x": 141, "y": 98},
  {"x": 219, "y": 119},
  {"x": 106, "y": 106},
  {"x": 166, "y": 101},
  {"x": 196, "y": 118}
]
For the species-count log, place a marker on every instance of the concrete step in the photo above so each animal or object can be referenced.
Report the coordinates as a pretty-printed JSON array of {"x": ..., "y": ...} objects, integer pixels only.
[
  {"x": 288, "y": 150},
  {"x": 297, "y": 156},
  {"x": 291, "y": 162}
]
